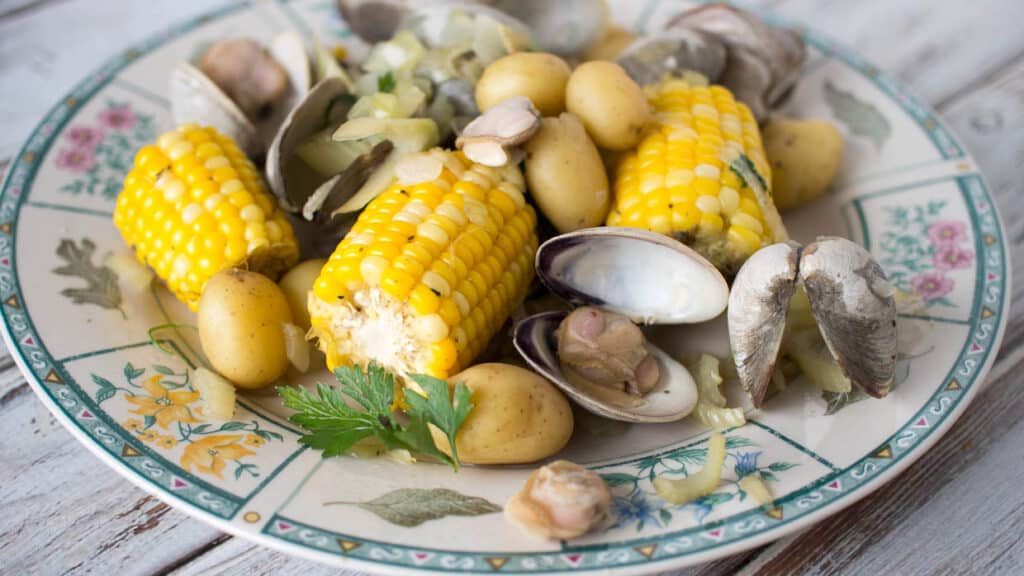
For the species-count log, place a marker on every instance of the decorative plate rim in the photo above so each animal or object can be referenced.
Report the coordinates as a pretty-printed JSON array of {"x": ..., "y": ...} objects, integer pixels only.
[{"x": 742, "y": 531}]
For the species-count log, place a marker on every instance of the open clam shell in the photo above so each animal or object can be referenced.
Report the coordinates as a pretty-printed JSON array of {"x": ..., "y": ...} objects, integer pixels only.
[
  {"x": 196, "y": 99},
  {"x": 673, "y": 397},
  {"x": 649, "y": 59},
  {"x": 648, "y": 277},
  {"x": 309, "y": 116}
]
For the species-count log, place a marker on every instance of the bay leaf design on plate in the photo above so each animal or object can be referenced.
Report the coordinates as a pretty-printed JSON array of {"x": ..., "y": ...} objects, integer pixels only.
[
  {"x": 101, "y": 283},
  {"x": 860, "y": 117},
  {"x": 410, "y": 507}
]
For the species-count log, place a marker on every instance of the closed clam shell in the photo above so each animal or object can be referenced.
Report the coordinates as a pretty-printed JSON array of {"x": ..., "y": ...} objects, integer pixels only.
[{"x": 852, "y": 300}]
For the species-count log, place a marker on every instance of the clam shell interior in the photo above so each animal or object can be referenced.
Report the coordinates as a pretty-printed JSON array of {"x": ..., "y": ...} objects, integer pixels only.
[{"x": 648, "y": 277}]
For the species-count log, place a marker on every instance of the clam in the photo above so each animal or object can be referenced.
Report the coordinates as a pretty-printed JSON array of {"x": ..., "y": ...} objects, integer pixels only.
[
  {"x": 195, "y": 98},
  {"x": 489, "y": 137},
  {"x": 626, "y": 274},
  {"x": 242, "y": 89},
  {"x": 560, "y": 500},
  {"x": 850, "y": 298},
  {"x": 649, "y": 59},
  {"x": 764, "y": 62},
  {"x": 324, "y": 103}
]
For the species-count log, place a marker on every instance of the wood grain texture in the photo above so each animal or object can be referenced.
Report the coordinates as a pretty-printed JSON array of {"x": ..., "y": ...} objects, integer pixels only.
[
  {"x": 65, "y": 512},
  {"x": 939, "y": 48},
  {"x": 957, "y": 510}
]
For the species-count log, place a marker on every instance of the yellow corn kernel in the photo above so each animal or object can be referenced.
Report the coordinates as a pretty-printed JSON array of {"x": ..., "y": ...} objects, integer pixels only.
[{"x": 188, "y": 225}]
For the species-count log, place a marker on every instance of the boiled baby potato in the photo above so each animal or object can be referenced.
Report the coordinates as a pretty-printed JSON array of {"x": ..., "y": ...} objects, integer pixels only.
[
  {"x": 539, "y": 76},
  {"x": 241, "y": 327},
  {"x": 565, "y": 174},
  {"x": 804, "y": 155},
  {"x": 611, "y": 105},
  {"x": 614, "y": 41},
  {"x": 296, "y": 284},
  {"x": 517, "y": 417}
]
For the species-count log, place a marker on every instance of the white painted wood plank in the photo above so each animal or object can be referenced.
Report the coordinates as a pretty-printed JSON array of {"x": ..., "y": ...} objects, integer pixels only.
[
  {"x": 959, "y": 510},
  {"x": 938, "y": 47},
  {"x": 90, "y": 512},
  {"x": 65, "y": 512},
  {"x": 46, "y": 50},
  {"x": 991, "y": 124}
]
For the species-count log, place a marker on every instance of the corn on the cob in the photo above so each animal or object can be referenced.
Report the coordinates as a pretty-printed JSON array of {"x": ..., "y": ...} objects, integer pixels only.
[
  {"x": 194, "y": 205},
  {"x": 690, "y": 176},
  {"x": 429, "y": 272}
]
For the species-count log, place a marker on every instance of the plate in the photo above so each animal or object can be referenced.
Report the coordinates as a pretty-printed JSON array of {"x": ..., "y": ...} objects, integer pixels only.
[{"x": 114, "y": 365}]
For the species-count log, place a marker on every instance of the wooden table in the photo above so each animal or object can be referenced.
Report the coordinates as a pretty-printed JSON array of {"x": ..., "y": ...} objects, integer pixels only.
[{"x": 960, "y": 509}]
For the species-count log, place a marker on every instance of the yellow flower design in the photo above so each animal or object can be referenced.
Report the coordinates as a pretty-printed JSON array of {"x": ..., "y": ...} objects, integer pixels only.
[
  {"x": 208, "y": 454},
  {"x": 148, "y": 436},
  {"x": 167, "y": 406},
  {"x": 255, "y": 440},
  {"x": 133, "y": 425},
  {"x": 167, "y": 442}
]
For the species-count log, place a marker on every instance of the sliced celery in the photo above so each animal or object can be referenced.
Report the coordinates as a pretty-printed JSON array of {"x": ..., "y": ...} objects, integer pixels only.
[{"x": 682, "y": 490}]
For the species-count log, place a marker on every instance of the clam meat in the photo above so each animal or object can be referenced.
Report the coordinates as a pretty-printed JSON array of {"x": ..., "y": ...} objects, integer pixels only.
[
  {"x": 560, "y": 500},
  {"x": 851, "y": 301}
]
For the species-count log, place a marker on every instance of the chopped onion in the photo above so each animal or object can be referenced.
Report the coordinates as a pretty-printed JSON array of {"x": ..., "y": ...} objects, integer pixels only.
[
  {"x": 296, "y": 348},
  {"x": 135, "y": 277},
  {"x": 218, "y": 394}
]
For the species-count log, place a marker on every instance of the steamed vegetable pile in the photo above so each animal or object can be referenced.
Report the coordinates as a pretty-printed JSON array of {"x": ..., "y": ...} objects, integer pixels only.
[{"x": 467, "y": 154}]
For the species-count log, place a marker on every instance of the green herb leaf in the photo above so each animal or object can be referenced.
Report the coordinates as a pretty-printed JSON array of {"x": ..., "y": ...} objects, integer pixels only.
[
  {"x": 386, "y": 83},
  {"x": 440, "y": 410},
  {"x": 335, "y": 425}
]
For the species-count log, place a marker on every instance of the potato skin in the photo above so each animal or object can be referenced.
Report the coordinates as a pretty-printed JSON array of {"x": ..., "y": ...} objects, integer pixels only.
[
  {"x": 296, "y": 284},
  {"x": 805, "y": 156},
  {"x": 566, "y": 176},
  {"x": 539, "y": 76},
  {"x": 517, "y": 417},
  {"x": 611, "y": 105},
  {"x": 241, "y": 318}
]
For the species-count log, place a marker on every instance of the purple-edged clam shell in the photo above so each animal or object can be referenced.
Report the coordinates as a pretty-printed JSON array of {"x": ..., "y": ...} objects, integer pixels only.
[{"x": 672, "y": 398}]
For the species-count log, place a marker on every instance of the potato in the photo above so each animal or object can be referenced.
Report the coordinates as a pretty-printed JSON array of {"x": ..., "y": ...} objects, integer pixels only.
[
  {"x": 565, "y": 174},
  {"x": 539, "y": 76},
  {"x": 517, "y": 417},
  {"x": 614, "y": 41},
  {"x": 296, "y": 284},
  {"x": 241, "y": 327},
  {"x": 611, "y": 105},
  {"x": 804, "y": 156}
]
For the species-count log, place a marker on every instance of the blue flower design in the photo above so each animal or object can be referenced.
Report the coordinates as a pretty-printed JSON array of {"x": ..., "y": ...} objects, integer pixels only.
[
  {"x": 634, "y": 509},
  {"x": 746, "y": 463}
]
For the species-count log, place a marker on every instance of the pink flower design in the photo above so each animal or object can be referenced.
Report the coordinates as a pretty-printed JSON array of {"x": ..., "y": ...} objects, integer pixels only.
[
  {"x": 932, "y": 285},
  {"x": 951, "y": 257},
  {"x": 946, "y": 232},
  {"x": 84, "y": 136},
  {"x": 76, "y": 159},
  {"x": 118, "y": 118}
]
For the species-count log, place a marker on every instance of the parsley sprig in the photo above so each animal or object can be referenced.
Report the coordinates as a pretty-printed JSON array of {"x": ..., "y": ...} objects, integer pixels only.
[{"x": 334, "y": 425}]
